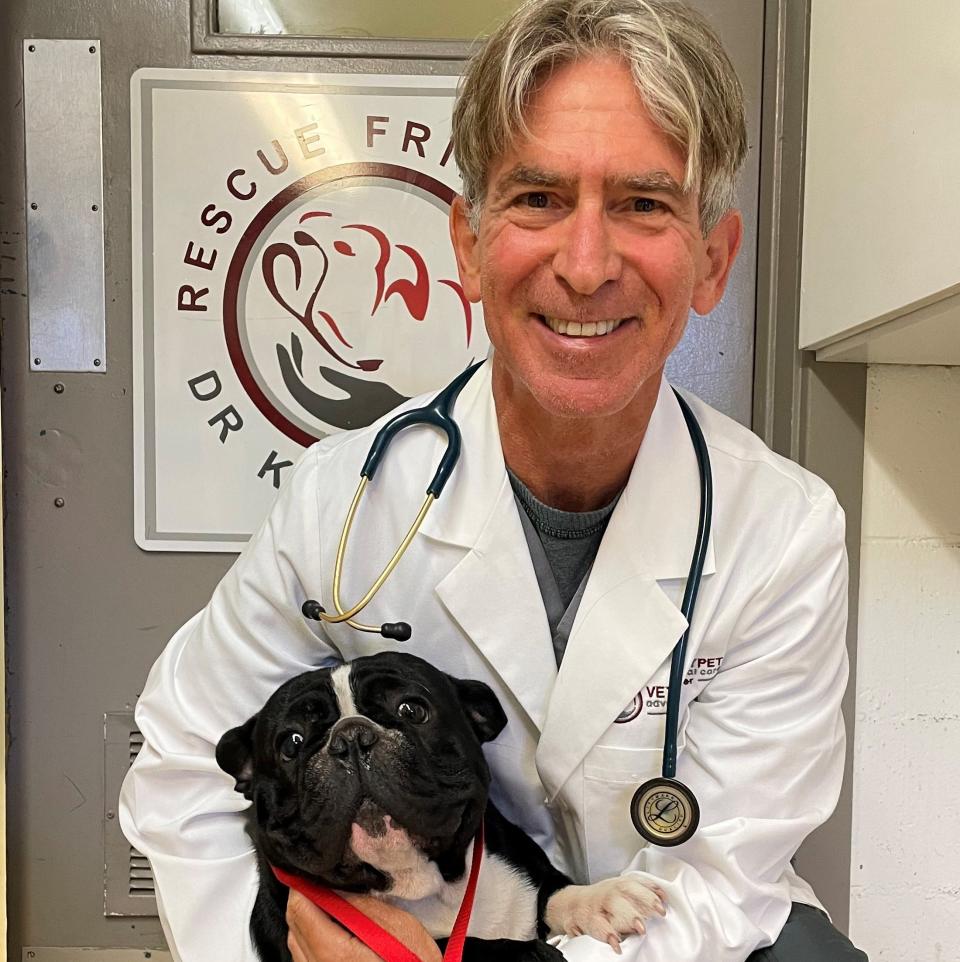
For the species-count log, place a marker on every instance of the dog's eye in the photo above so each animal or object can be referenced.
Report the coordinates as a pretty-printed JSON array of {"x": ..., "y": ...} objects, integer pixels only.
[
  {"x": 413, "y": 711},
  {"x": 290, "y": 745}
]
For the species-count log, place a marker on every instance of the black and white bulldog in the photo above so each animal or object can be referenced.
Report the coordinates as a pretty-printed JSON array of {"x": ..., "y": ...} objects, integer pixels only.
[{"x": 370, "y": 777}]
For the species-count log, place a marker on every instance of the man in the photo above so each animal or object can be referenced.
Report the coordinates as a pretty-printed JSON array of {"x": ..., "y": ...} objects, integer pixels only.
[{"x": 598, "y": 140}]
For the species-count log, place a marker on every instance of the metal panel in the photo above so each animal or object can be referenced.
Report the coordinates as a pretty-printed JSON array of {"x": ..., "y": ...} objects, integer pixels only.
[
  {"x": 90, "y": 954},
  {"x": 61, "y": 94}
]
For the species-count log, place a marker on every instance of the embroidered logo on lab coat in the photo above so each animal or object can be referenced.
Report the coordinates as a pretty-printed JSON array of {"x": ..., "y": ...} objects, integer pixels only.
[{"x": 652, "y": 699}]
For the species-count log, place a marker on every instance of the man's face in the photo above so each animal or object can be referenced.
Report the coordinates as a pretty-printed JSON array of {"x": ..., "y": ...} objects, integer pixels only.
[{"x": 585, "y": 223}]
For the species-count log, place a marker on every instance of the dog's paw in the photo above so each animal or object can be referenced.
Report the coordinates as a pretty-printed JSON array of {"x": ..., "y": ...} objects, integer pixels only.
[{"x": 605, "y": 910}]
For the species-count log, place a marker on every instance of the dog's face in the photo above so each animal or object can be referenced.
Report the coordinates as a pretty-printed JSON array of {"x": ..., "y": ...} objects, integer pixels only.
[{"x": 360, "y": 773}]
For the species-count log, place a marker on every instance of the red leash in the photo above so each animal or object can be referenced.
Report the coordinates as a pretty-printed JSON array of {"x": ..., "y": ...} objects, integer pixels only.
[{"x": 374, "y": 936}]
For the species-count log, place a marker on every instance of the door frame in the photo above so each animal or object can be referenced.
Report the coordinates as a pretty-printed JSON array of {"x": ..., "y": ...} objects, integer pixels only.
[{"x": 809, "y": 411}]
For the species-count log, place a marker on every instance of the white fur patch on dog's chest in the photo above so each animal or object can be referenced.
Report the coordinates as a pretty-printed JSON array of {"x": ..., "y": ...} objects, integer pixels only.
[{"x": 505, "y": 905}]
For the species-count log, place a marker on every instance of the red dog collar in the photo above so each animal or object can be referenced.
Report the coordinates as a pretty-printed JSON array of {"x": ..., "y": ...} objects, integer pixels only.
[{"x": 374, "y": 936}]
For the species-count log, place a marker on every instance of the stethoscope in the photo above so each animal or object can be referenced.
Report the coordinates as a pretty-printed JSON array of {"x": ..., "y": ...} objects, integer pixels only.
[{"x": 663, "y": 810}]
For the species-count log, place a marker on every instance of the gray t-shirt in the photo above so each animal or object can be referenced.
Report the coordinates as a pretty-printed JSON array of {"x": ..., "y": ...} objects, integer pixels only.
[{"x": 562, "y": 546}]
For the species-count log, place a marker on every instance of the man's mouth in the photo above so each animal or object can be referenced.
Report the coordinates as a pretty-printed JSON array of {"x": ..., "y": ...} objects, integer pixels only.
[{"x": 581, "y": 328}]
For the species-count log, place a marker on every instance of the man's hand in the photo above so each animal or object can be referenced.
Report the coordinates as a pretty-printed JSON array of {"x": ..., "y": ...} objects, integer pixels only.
[{"x": 315, "y": 937}]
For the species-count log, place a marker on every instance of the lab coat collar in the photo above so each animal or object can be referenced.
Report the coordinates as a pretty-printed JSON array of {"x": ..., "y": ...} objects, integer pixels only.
[{"x": 493, "y": 596}]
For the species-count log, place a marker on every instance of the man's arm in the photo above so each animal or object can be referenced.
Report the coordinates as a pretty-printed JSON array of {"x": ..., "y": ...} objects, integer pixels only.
[
  {"x": 764, "y": 755},
  {"x": 177, "y": 807}
]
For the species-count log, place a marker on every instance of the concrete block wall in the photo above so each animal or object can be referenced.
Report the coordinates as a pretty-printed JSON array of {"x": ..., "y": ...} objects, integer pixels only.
[{"x": 905, "y": 866}]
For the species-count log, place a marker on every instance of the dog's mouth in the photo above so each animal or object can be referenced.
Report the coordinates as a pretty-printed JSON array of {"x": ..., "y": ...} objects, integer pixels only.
[
  {"x": 399, "y": 857},
  {"x": 372, "y": 827},
  {"x": 372, "y": 820}
]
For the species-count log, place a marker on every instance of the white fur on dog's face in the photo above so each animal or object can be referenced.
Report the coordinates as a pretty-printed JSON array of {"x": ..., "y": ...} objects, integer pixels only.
[
  {"x": 341, "y": 688},
  {"x": 413, "y": 876}
]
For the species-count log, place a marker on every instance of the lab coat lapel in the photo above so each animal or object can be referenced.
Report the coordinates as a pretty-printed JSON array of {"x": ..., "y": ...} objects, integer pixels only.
[
  {"x": 627, "y": 626},
  {"x": 492, "y": 592}
]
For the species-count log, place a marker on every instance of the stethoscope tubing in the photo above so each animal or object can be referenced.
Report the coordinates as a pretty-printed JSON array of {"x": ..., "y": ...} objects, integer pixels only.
[
  {"x": 437, "y": 414},
  {"x": 691, "y": 589}
]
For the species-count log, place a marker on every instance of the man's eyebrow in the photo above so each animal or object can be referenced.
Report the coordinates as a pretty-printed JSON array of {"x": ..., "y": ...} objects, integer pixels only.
[
  {"x": 659, "y": 181},
  {"x": 523, "y": 176}
]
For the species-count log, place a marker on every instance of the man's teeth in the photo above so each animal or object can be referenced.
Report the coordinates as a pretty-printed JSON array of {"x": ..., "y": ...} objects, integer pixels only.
[{"x": 576, "y": 329}]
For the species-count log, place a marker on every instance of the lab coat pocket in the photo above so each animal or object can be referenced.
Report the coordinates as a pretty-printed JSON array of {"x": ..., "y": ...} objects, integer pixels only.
[{"x": 611, "y": 775}]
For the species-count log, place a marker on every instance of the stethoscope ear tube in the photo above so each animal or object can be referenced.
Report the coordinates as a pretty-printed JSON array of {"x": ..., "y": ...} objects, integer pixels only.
[{"x": 438, "y": 414}]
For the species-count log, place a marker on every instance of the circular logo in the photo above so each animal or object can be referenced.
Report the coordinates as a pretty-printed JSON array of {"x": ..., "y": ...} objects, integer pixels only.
[
  {"x": 664, "y": 811},
  {"x": 342, "y": 299},
  {"x": 631, "y": 712}
]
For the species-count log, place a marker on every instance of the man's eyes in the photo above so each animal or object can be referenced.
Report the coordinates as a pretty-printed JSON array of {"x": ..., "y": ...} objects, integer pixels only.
[
  {"x": 538, "y": 200},
  {"x": 647, "y": 205}
]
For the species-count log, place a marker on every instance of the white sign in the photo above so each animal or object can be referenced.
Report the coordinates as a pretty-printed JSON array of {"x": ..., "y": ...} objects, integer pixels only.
[{"x": 293, "y": 277}]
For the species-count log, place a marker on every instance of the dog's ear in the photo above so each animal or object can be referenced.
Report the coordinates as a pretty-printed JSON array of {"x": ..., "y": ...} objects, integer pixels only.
[
  {"x": 483, "y": 708},
  {"x": 235, "y": 756}
]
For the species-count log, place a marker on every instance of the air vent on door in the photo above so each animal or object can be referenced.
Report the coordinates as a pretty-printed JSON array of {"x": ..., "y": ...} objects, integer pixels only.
[{"x": 128, "y": 881}]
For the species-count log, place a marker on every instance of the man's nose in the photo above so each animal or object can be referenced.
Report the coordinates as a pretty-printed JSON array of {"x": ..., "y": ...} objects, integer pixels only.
[
  {"x": 350, "y": 733},
  {"x": 586, "y": 256}
]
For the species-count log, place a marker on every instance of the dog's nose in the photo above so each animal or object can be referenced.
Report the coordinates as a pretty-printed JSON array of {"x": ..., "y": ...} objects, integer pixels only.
[{"x": 352, "y": 731}]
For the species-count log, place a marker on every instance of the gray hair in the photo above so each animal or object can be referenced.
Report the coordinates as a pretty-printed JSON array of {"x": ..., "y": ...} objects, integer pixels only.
[{"x": 680, "y": 69}]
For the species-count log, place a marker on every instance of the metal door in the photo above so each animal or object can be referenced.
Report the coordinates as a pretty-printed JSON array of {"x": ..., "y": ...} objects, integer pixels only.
[{"x": 88, "y": 611}]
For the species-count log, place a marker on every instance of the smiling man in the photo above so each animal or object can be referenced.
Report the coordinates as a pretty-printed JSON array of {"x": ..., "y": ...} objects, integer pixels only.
[{"x": 599, "y": 142}]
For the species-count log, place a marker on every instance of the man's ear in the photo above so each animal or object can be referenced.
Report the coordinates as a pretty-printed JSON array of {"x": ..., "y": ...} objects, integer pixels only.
[
  {"x": 487, "y": 717},
  {"x": 720, "y": 251},
  {"x": 466, "y": 249},
  {"x": 235, "y": 756}
]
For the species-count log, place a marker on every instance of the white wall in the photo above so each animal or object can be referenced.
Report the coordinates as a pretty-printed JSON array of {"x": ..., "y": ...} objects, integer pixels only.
[{"x": 905, "y": 868}]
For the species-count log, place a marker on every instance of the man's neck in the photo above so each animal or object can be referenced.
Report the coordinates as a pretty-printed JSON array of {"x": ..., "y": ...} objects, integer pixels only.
[{"x": 575, "y": 464}]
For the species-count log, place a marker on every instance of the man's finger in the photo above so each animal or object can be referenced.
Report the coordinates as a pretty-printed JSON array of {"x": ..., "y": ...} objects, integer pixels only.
[
  {"x": 400, "y": 924},
  {"x": 315, "y": 937}
]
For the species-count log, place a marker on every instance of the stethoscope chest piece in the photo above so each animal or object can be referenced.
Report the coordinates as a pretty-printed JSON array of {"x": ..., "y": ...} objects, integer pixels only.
[{"x": 665, "y": 811}]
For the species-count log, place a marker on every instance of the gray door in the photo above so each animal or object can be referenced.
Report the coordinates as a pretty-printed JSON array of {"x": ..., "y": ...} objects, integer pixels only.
[{"x": 88, "y": 611}]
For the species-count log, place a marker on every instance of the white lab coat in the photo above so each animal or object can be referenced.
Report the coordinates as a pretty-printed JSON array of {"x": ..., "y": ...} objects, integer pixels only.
[{"x": 761, "y": 735}]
